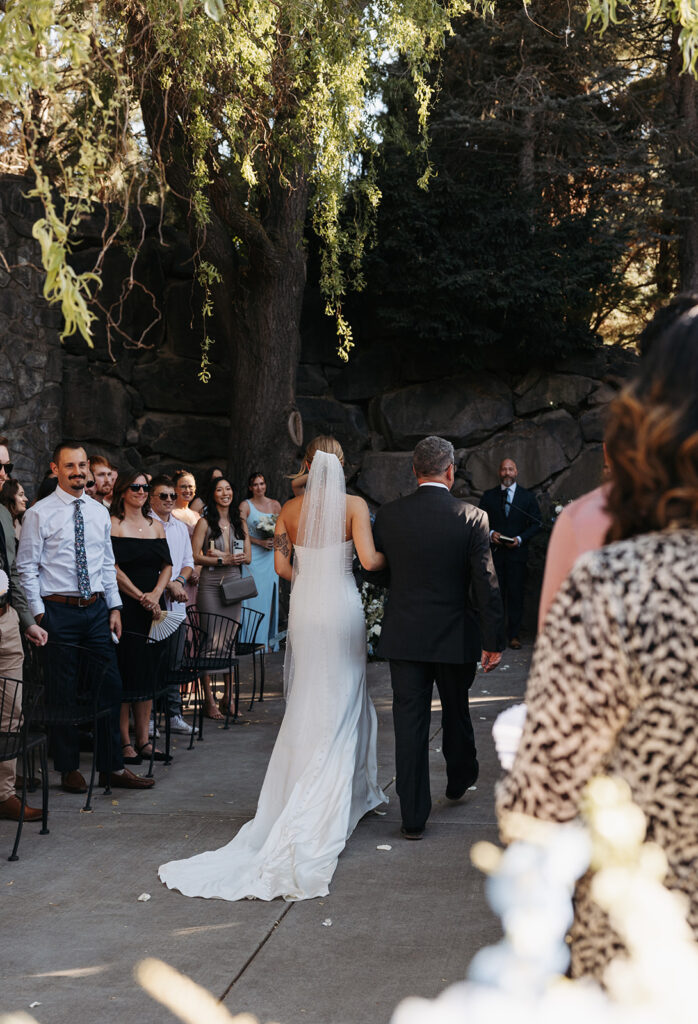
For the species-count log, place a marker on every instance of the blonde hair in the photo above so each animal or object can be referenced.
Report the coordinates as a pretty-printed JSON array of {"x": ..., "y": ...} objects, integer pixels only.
[{"x": 322, "y": 443}]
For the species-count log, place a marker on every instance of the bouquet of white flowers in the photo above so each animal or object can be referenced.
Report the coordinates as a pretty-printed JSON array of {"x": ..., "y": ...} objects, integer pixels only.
[
  {"x": 266, "y": 525},
  {"x": 373, "y": 601}
]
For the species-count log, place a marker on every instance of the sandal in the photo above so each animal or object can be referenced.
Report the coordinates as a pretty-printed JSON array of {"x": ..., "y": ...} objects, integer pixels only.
[
  {"x": 157, "y": 756},
  {"x": 135, "y": 759},
  {"x": 211, "y": 711}
]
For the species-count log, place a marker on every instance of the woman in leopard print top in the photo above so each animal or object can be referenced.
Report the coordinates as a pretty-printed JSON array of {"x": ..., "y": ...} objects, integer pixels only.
[{"x": 614, "y": 680}]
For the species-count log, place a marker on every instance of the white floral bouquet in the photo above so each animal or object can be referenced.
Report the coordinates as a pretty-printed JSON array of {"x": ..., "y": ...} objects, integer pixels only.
[
  {"x": 373, "y": 601},
  {"x": 266, "y": 525}
]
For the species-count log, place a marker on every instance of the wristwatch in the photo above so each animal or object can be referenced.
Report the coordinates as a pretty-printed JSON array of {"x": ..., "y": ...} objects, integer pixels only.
[{"x": 220, "y": 560}]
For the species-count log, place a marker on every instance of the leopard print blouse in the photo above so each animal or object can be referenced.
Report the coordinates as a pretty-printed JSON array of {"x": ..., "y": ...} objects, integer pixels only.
[{"x": 614, "y": 688}]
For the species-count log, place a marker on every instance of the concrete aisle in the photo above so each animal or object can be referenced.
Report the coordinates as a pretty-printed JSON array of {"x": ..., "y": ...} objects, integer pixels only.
[{"x": 404, "y": 921}]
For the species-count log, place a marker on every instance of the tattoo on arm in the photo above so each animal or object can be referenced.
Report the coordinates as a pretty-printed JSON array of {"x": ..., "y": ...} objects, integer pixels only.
[{"x": 281, "y": 543}]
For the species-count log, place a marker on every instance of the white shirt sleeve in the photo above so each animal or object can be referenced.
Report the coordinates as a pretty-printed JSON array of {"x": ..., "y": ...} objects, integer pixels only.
[{"x": 111, "y": 591}]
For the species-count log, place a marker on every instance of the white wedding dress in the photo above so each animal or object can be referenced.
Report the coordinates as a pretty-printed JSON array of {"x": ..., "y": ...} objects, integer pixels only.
[{"x": 322, "y": 775}]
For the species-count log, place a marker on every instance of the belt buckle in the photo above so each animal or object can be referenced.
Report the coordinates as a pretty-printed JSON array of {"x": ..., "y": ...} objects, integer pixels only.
[{"x": 84, "y": 602}]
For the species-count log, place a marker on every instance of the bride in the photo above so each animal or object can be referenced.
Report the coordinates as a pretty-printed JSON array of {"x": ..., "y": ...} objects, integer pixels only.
[{"x": 322, "y": 775}]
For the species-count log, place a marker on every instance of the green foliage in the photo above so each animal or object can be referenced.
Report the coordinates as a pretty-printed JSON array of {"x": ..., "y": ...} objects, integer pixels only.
[
  {"x": 545, "y": 216},
  {"x": 249, "y": 106},
  {"x": 255, "y": 97}
]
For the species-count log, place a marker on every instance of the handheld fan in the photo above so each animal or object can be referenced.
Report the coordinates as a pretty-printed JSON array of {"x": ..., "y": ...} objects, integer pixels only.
[{"x": 166, "y": 623}]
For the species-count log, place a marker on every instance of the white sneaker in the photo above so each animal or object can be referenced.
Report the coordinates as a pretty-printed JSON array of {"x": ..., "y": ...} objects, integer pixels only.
[
  {"x": 150, "y": 730},
  {"x": 177, "y": 724}
]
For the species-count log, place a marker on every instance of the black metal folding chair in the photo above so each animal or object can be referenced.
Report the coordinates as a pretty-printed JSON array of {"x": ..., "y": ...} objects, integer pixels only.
[
  {"x": 246, "y": 645},
  {"x": 72, "y": 678},
  {"x": 217, "y": 653},
  {"x": 19, "y": 736},
  {"x": 182, "y": 669}
]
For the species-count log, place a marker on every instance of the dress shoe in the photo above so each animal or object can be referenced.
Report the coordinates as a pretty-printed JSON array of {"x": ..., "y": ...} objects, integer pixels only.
[
  {"x": 73, "y": 782},
  {"x": 10, "y": 809},
  {"x": 411, "y": 833},
  {"x": 125, "y": 780},
  {"x": 454, "y": 791},
  {"x": 515, "y": 643}
]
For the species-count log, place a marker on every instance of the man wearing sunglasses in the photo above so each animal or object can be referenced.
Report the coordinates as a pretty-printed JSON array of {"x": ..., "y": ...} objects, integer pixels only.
[
  {"x": 162, "y": 501},
  {"x": 15, "y": 618},
  {"x": 66, "y": 564}
]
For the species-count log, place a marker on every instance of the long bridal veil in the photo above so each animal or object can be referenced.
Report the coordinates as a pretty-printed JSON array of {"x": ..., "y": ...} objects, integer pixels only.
[
  {"x": 322, "y": 774},
  {"x": 321, "y": 534}
]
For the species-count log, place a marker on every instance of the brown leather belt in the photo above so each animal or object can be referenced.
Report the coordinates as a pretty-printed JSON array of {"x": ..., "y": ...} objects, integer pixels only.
[{"x": 78, "y": 602}]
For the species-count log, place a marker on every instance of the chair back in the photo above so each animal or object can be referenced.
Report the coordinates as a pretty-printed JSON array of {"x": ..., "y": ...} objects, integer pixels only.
[
  {"x": 250, "y": 621},
  {"x": 143, "y": 664},
  {"x": 217, "y": 649},
  {"x": 18, "y": 702},
  {"x": 183, "y": 653},
  {"x": 71, "y": 679}
]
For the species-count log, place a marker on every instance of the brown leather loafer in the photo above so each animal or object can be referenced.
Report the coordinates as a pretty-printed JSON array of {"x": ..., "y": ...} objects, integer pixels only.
[
  {"x": 73, "y": 782},
  {"x": 125, "y": 780},
  {"x": 515, "y": 643},
  {"x": 10, "y": 809}
]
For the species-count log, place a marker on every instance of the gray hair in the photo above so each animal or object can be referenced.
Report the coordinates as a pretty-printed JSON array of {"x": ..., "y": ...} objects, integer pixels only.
[{"x": 433, "y": 456}]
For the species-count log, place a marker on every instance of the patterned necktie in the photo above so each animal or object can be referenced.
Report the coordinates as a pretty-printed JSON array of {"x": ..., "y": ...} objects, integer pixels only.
[
  {"x": 80, "y": 553},
  {"x": 507, "y": 503}
]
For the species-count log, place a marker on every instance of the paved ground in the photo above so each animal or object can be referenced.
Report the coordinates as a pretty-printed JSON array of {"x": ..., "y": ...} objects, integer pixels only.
[{"x": 404, "y": 921}]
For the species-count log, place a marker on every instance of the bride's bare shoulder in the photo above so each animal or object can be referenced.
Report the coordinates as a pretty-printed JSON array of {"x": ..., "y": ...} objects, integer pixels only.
[
  {"x": 292, "y": 507},
  {"x": 355, "y": 504}
]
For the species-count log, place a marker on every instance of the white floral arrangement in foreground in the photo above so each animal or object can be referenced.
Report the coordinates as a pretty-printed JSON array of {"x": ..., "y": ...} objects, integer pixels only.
[{"x": 530, "y": 887}]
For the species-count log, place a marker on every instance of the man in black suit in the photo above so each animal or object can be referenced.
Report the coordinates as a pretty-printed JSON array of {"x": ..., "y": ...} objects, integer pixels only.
[
  {"x": 513, "y": 513},
  {"x": 439, "y": 558}
]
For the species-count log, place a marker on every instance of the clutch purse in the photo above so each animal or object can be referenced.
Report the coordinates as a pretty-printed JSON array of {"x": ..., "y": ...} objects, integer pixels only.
[{"x": 237, "y": 589}]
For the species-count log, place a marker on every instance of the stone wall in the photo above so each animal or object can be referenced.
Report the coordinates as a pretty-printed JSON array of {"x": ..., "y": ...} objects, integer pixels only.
[{"x": 144, "y": 407}]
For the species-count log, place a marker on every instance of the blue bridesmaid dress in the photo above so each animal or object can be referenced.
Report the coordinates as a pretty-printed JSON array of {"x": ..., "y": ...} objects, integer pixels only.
[{"x": 266, "y": 581}]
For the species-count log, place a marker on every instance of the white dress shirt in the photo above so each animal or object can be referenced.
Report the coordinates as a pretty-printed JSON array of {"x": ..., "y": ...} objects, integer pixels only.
[
  {"x": 46, "y": 552},
  {"x": 179, "y": 543}
]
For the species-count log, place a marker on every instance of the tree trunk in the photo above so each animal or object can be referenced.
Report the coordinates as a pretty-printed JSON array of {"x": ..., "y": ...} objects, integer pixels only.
[
  {"x": 265, "y": 350},
  {"x": 684, "y": 92}
]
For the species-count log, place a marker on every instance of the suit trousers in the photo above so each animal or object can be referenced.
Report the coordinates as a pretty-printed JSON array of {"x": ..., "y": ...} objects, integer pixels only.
[
  {"x": 413, "y": 683},
  {"x": 512, "y": 581},
  {"x": 11, "y": 661},
  {"x": 88, "y": 627}
]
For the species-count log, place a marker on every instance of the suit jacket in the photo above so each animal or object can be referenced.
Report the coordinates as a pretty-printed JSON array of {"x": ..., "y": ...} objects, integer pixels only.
[
  {"x": 442, "y": 580},
  {"x": 19, "y": 600},
  {"x": 523, "y": 520}
]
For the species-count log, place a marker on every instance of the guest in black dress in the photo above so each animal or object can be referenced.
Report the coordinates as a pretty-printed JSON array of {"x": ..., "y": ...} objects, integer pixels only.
[{"x": 143, "y": 570}]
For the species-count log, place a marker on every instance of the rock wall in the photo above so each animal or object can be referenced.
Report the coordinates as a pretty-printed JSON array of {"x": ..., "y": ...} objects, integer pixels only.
[{"x": 144, "y": 407}]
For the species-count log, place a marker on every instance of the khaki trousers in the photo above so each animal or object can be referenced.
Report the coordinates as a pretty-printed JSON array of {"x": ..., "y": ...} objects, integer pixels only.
[{"x": 11, "y": 659}]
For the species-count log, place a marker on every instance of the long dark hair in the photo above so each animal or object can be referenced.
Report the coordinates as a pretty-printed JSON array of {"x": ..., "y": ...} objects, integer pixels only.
[
  {"x": 652, "y": 438},
  {"x": 8, "y": 495},
  {"x": 250, "y": 479},
  {"x": 204, "y": 482},
  {"x": 123, "y": 482},
  {"x": 213, "y": 516}
]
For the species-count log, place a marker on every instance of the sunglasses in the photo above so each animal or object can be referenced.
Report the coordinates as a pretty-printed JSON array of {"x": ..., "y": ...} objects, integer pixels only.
[
  {"x": 137, "y": 487},
  {"x": 7, "y": 466},
  {"x": 90, "y": 483},
  {"x": 165, "y": 496}
]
